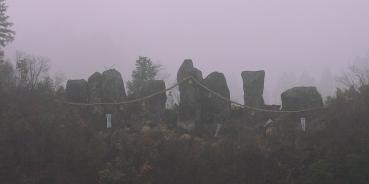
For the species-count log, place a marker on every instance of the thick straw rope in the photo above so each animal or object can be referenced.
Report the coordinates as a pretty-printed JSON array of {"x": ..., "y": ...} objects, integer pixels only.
[
  {"x": 131, "y": 101},
  {"x": 249, "y": 107},
  {"x": 201, "y": 85}
]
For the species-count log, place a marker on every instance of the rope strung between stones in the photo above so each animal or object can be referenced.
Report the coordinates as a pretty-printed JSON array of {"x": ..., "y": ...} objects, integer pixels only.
[
  {"x": 201, "y": 85},
  {"x": 130, "y": 101},
  {"x": 249, "y": 107}
]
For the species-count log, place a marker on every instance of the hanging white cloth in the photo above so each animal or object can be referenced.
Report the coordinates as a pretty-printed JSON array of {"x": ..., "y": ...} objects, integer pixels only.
[
  {"x": 303, "y": 124},
  {"x": 219, "y": 126},
  {"x": 108, "y": 121}
]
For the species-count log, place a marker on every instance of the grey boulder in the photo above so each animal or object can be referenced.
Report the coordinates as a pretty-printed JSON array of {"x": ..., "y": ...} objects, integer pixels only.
[
  {"x": 299, "y": 98},
  {"x": 77, "y": 91},
  {"x": 190, "y": 96},
  {"x": 154, "y": 106},
  {"x": 112, "y": 86},
  {"x": 253, "y": 86},
  {"x": 95, "y": 87},
  {"x": 216, "y": 109}
]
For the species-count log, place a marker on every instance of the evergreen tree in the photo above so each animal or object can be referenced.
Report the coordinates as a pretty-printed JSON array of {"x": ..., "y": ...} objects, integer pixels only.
[
  {"x": 6, "y": 34},
  {"x": 145, "y": 70}
]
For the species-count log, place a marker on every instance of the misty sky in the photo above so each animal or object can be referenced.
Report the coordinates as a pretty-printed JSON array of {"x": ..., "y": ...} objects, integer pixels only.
[{"x": 279, "y": 36}]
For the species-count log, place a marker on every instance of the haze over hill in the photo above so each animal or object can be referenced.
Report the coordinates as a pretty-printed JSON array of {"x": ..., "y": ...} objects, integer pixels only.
[
  {"x": 308, "y": 38},
  {"x": 252, "y": 103}
]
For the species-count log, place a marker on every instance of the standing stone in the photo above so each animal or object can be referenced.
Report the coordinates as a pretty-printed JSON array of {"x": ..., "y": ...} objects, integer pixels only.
[
  {"x": 95, "y": 92},
  {"x": 299, "y": 98},
  {"x": 190, "y": 96},
  {"x": 154, "y": 106},
  {"x": 253, "y": 86},
  {"x": 215, "y": 110},
  {"x": 113, "y": 91},
  {"x": 112, "y": 86},
  {"x": 77, "y": 91},
  {"x": 95, "y": 87}
]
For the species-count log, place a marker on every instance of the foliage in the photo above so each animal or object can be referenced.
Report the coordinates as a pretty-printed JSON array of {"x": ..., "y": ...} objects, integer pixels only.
[
  {"x": 44, "y": 141},
  {"x": 145, "y": 70},
  {"x": 6, "y": 34},
  {"x": 357, "y": 75},
  {"x": 31, "y": 69}
]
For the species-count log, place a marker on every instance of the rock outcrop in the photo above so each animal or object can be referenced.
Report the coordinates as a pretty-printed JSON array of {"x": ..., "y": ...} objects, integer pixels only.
[
  {"x": 95, "y": 91},
  {"x": 214, "y": 109},
  {"x": 95, "y": 87},
  {"x": 253, "y": 86},
  {"x": 77, "y": 91},
  {"x": 154, "y": 106},
  {"x": 101, "y": 88},
  {"x": 190, "y": 96},
  {"x": 112, "y": 86},
  {"x": 299, "y": 98}
]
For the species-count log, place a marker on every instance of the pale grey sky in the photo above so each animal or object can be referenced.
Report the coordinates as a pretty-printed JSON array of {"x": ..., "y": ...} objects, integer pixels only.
[{"x": 279, "y": 36}]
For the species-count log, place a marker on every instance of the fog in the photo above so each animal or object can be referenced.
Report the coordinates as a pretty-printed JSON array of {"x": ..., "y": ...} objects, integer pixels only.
[{"x": 297, "y": 42}]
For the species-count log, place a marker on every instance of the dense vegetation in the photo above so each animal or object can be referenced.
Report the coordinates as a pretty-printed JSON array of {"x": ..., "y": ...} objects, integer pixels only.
[
  {"x": 6, "y": 33},
  {"x": 45, "y": 141}
]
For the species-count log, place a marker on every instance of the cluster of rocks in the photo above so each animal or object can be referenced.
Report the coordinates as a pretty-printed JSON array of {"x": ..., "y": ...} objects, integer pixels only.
[
  {"x": 200, "y": 107},
  {"x": 296, "y": 98},
  {"x": 105, "y": 87},
  {"x": 108, "y": 87}
]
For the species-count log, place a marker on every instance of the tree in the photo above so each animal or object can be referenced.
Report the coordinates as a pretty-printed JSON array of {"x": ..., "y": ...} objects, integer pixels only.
[
  {"x": 6, "y": 34},
  {"x": 358, "y": 74},
  {"x": 31, "y": 69},
  {"x": 145, "y": 70}
]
